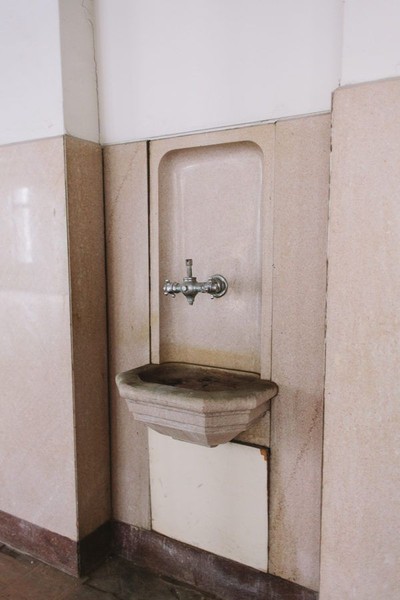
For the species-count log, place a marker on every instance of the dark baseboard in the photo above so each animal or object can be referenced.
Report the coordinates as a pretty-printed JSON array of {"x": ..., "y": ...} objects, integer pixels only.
[
  {"x": 94, "y": 548},
  {"x": 52, "y": 548},
  {"x": 210, "y": 573},
  {"x": 213, "y": 574},
  {"x": 75, "y": 558}
]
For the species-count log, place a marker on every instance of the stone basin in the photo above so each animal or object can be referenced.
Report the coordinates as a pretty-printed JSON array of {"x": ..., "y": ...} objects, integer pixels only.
[{"x": 192, "y": 403}]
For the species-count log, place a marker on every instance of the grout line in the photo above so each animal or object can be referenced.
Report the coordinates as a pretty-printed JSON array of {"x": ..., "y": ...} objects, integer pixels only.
[
  {"x": 149, "y": 316},
  {"x": 269, "y": 461},
  {"x": 273, "y": 232},
  {"x": 107, "y": 332},
  {"x": 218, "y": 128},
  {"x": 71, "y": 326},
  {"x": 149, "y": 244},
  {"x": 325, "y": 336}
]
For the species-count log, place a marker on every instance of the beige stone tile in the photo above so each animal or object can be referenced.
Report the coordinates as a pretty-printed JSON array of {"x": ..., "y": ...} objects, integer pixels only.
[
  {"x": 37, "y": 470},
  {"x": 84, "y": 184},
  {"x": 300, "y": 239},
  {"x": 361, "y": 496},
  {"x": 125, "y": 175}
]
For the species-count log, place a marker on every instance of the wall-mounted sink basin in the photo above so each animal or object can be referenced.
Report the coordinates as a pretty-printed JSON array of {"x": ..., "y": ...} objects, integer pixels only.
[{"x": 202, "y": 405}]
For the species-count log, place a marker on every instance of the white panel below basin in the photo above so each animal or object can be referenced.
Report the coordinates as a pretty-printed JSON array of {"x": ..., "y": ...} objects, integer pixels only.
[{"x": 212, "y": 498}]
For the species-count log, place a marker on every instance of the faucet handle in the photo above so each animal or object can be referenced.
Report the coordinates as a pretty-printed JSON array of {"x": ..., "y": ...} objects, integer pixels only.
[
  {"x": 168, "y": 288},
  {"x": 166, "y": 282}
]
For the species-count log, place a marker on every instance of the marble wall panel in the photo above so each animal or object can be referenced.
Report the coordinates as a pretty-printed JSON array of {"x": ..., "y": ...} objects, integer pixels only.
[
  {"x": 37, "y": 464},
  {"x": 84, "y": 186},
  {"x": 298, "y": 331},
  {"x": 125, "y": 179},
  {"x": 361, "y": 477},
  {"x": 300, "y": 195}
]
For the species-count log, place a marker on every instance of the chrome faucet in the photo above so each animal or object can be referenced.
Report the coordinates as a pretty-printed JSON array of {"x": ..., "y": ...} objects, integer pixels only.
[{"x": 216, "y": 285}]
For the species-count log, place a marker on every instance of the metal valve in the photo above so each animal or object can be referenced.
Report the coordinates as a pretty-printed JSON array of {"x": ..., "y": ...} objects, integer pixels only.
[{"x": 216, "y": 285}]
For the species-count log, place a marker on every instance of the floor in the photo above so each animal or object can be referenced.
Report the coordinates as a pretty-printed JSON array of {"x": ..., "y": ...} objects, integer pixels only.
[{"x": 24, "y": 578}]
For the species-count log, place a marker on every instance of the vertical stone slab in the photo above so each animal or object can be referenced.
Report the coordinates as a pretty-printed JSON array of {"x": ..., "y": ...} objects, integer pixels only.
[
  {"x": 85, "y": 221},
  {"x": 127, "y": 243},
  {"x": 361, "y": 496},
  {"x": 298, "y": 329}
]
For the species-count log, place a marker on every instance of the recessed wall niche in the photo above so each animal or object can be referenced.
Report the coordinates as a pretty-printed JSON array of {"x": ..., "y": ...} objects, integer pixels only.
[{"x": 210, "y": 201}]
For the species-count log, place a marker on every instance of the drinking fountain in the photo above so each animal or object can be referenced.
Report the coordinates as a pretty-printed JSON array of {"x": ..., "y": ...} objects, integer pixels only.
[{"x": 196, "y": 403}]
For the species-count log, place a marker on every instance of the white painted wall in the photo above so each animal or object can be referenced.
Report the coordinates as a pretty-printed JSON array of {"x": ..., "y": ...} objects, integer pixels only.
[
  {"x": 48, "y": 82},
  {"x": 184, "y": 65},
  {"x": 79, "y": 69},
  {"x": 371, "y": 40},
  {"x": 31, "y": 104}
]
